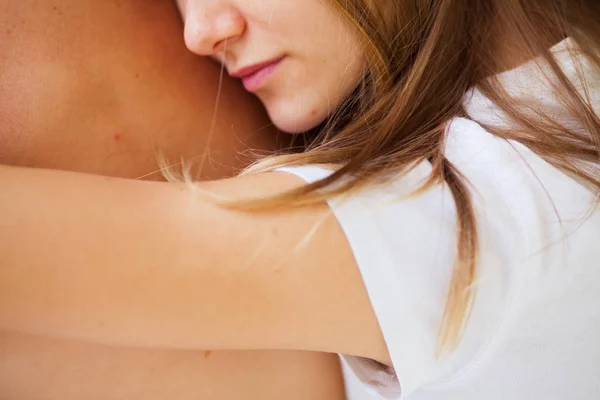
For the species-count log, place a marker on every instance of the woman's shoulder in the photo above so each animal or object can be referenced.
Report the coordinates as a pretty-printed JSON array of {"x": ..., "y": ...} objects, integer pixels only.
[{"x": 404, "y": 242}]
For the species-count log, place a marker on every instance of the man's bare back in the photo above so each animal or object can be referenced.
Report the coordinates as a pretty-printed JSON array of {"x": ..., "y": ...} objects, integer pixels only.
[
  {"x": 99, "y": 86},
  {"x": 104, "y": 87}
]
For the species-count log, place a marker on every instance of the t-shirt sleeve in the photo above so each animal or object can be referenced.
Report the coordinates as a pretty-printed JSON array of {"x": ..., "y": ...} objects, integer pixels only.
[{"x": 403, "y": 245}]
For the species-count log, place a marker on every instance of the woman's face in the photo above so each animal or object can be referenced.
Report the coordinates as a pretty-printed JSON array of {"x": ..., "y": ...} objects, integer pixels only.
[{"x": 300, "y": 57}]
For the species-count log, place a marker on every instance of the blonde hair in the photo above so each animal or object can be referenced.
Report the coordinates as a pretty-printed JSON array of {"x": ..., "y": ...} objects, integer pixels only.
[{"x": 423, "y": 56}]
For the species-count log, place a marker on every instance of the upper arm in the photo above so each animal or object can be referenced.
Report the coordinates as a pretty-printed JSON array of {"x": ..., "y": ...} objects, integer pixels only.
[{"x": 158, "y": 264}]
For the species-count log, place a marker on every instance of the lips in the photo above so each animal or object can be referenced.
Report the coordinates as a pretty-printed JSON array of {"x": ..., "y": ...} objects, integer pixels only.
[
  {"x": 254, "y": 76},
  {"x": 252, "y": 69}
]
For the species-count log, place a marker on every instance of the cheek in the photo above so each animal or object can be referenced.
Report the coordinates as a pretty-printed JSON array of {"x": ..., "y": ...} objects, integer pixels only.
[{"x": 306, "y": 96}]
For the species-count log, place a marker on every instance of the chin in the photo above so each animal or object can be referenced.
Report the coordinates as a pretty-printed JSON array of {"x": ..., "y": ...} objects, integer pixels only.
[
  {"x": 295, "y": 119},
  {"x": 293, "y": 127}
]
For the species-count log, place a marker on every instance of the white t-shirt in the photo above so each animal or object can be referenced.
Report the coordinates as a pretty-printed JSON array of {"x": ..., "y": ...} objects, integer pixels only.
[{"x": 534, "y": 331}]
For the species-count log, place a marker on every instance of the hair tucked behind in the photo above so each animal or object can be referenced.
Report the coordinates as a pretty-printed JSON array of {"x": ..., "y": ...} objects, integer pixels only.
[{"x": 423, "y": 56}]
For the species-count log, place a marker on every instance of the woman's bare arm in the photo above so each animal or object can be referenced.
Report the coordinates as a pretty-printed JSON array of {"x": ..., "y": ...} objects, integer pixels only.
[{"x": 160, "y": 265}]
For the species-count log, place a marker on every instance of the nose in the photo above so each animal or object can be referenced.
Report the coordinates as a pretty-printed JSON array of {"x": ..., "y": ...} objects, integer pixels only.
[{"x": 209, "y": 28}]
